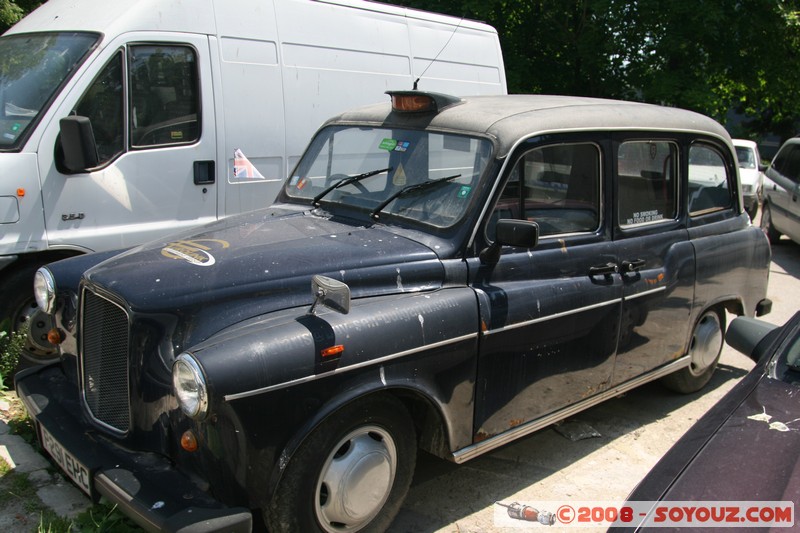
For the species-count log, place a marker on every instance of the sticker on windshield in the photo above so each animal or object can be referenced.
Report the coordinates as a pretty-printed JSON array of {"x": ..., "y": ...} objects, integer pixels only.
[
  {"x": 393, "y": 145},
  {"x": 464, "y": 191}
]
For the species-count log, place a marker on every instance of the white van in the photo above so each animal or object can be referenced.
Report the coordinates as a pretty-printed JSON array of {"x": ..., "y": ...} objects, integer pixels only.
[{"x": 122, "y": 121}]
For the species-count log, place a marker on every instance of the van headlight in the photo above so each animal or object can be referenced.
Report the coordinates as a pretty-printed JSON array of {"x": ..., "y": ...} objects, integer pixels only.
[
  {"x": 44, "y": 290},
  {"x": 190, "y": 386}
]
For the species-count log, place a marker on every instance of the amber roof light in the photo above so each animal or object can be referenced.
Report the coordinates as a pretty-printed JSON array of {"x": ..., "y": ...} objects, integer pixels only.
[{"x": 420, "y": 101}]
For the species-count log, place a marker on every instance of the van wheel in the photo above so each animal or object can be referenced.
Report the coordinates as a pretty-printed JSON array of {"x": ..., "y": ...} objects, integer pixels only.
[
  {"x": 17, "y": 308},
  {"x": 350, "y": 474},
  {"x": 773, "y": 236},
  {"x": 704, "y": 350}
]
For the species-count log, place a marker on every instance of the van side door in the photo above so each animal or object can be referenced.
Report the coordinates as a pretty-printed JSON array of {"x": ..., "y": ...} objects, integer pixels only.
[
  {"x": 655, "y": 257},
  {"x": 783, "y": 191},
  {"x": 551, "y": 313},
  {"x": 150, "y": 102}
]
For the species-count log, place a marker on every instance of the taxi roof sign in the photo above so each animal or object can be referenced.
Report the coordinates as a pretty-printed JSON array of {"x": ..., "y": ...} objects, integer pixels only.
[{"x": 421, "y": 101}]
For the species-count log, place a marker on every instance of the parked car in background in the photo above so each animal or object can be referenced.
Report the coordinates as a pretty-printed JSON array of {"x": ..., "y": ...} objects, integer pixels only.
[
  {"x": 747, "y": 446},
  {"x": 780, "y": 213},
  {"x": 438, "y": 273},
  {"x": 750, "y": 174}
]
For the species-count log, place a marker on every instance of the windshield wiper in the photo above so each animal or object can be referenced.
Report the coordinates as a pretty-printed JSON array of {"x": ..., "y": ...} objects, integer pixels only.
[
  {"x": 347, "y": 181},
  {"x": 408, "y": 189}
]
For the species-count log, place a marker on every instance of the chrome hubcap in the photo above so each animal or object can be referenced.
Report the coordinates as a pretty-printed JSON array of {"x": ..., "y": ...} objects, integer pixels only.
[
  {"x": 356, "y": 480},
  {"x": 706, "y": 342}
]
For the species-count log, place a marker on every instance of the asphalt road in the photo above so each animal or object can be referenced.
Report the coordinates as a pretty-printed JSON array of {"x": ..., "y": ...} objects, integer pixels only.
[{"x": 635, "y": 431}]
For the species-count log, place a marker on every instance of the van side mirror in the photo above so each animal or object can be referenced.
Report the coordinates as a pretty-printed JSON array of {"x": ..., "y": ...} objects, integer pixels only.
[
  {"x": 78, "y": 143},
  {"x": 508, "y": 232}
]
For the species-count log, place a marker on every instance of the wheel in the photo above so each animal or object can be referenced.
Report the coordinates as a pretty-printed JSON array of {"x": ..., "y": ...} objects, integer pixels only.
[
  {"x": 773, "y": 235},
  {"x": 18, "y": 306},
  {"x": 704, "y": 349},
  {"x": 350, "y": 474}
]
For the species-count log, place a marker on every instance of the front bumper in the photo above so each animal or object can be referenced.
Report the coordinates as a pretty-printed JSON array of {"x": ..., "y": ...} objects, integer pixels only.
[{"x": 145, "y": 486}]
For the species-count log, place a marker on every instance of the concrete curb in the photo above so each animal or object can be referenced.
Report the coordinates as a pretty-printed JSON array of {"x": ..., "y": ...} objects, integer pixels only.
[{"x": 52, "y": 489}]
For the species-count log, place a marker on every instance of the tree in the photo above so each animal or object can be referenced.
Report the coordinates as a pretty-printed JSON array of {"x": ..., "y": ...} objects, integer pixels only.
[
  {"x": 705, "y": 55},
  {"x": 12, "y": 11}
]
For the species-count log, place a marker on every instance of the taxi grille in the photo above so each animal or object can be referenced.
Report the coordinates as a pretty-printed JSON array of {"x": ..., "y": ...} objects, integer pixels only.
[{"x": 104, "y": 364}]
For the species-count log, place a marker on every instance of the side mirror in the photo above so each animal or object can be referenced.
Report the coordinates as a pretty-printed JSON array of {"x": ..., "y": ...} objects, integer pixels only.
[
  {"x": 746, "y": 335},
  {"x": 330, "y": 293},
  {"x": 78, "y": 144},
  {"x": 519, "y": 233}
]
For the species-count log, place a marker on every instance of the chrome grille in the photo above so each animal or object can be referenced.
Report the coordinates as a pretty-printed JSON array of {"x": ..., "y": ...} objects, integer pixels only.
[{"x": 104, "y": 361}]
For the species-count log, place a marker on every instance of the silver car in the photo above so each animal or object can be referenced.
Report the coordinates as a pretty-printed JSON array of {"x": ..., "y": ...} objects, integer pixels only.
[{"x": 781, "y": 210}]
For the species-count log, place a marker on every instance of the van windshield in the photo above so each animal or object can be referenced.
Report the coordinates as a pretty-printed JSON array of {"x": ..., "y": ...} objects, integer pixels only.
[
  {"x": 33, "y": 68},
  {"x": 424, "y": 177}
]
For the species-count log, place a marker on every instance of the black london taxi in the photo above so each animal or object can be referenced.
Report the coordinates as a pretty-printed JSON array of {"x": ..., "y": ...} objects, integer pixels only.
[{"x": 440, "y": 273}]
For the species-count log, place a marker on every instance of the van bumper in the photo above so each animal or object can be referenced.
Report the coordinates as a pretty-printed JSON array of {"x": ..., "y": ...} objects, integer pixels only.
[{"x": 145, "y": 486}]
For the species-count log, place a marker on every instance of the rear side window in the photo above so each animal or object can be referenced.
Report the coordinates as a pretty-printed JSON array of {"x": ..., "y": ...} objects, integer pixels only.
[
  {"x": 647, "y": 182},
  {"x": 709, "y": 188},
  {"x": 558, "y": 187}
]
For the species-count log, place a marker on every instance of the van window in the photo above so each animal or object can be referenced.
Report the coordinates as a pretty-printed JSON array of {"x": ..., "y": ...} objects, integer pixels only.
[
  {"x": 558, "y": 187},
  {"x": 708, "y": 180},
  {"x": 647, "y": 182},
  {"x": 103, "y": 104},
  {"x": 164, "y": 97}
]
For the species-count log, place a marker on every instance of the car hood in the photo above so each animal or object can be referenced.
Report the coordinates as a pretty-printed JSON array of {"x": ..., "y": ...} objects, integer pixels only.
[
  {"x": 749, "y": 176},
  {"x": 267, "y": 257},
  {"x": 762, "y": 437}
]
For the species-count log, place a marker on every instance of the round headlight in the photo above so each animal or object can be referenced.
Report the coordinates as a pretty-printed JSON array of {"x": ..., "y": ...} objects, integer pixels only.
[
  {"x": 190, "y": 386},
  {"x": 44, "y": 290}
]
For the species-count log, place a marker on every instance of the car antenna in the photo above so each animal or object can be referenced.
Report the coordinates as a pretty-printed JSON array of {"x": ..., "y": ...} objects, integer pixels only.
[{"x": 440, "y": 53}]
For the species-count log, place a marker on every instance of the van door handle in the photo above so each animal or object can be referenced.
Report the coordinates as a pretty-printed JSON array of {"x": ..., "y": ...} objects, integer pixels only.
[
  {"x": 604, "y": 270},
  {"x": 632, "y": 266},
  {"x": 204, "y": 172}
]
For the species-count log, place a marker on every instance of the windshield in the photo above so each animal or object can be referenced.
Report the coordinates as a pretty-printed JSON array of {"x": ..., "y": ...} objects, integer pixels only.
[
  {"x": 33, "y": 67},
  {"x": 437, "y": 173},
  {"x": 746, "y": 157}
]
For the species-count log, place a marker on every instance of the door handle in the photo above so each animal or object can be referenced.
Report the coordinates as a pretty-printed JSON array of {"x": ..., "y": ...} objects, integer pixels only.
[
  {"x": 604, "y": 270},
  {"x": 203, "y": 172},
  {"x": 632, "y": 266}
]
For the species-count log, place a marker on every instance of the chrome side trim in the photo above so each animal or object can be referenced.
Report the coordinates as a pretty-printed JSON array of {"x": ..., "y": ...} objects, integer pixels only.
[
  {"x": 553, "y": 316},
  {"x": 379, "y": 360},
  {"x": 646, "y": 293},
  {"x": 474, "y": 450}
]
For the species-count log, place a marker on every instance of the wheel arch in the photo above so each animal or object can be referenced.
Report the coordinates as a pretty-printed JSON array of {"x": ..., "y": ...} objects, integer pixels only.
[{"x": 428, "y": 415}]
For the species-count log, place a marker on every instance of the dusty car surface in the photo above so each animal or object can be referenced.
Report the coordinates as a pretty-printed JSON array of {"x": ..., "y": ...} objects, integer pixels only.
[
  {"x": 751, "y": 174},
  {"x": 442, "y": 273},
  {"x": 780, "y": 213},
  {"x": 755, "y": 424}
]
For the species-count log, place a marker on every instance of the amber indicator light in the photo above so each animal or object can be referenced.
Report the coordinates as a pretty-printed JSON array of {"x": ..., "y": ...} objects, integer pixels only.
[
  {"x": 333, "y": 351},
  {"x": 54, "y": 337},
  {"x": 20, "y": 192},
  {"x": 412, "y": 103},
  {"x": 189, "y": 441}
]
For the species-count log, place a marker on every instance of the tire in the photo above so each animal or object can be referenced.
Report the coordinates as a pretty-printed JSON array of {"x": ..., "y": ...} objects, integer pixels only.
[
  {"x": 350, "y": 474},
  {"x": 18, "y": 306},
  {"x": 705, "y": 348},
  {"x": 773, "y": 235}
]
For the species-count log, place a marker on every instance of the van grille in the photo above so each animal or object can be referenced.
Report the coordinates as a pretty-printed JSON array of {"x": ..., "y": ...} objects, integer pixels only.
[{"x": 104, "y": 364}]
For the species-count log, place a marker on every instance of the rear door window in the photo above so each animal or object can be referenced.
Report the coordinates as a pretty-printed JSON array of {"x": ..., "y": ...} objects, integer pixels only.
[{"x": 647, "y": 182}]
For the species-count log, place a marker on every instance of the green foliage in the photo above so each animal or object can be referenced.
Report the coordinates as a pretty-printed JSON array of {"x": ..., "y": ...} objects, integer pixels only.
[
  {"x": 11, "y": 345},
  {"x": 705, "y": 55}
]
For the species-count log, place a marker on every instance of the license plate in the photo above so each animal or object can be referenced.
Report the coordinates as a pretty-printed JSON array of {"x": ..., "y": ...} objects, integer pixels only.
[{"x": 76, "y": 471}]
